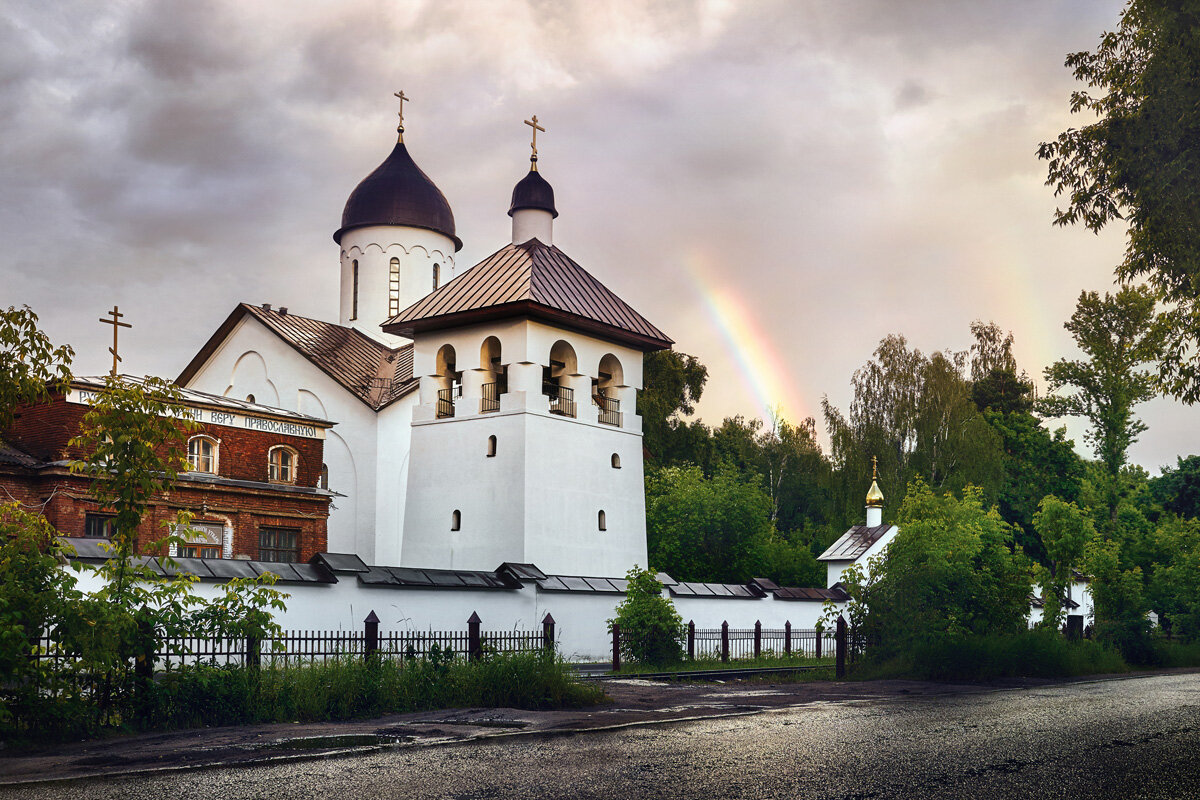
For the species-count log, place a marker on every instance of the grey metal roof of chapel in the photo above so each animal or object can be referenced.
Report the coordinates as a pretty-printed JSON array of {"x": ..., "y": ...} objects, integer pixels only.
[
  {"x": 398, "y": 193},
  {"x": 535, "y": 280}
]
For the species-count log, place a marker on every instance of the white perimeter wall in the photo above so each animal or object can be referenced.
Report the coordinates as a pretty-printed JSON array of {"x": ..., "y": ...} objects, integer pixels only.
[{"x": 581, "y": 618}]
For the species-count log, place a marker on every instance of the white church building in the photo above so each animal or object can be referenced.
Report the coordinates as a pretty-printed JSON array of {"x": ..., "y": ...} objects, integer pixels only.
[
  {"x": 486, "y": 453},
  {"x": 483, "y": 415}
]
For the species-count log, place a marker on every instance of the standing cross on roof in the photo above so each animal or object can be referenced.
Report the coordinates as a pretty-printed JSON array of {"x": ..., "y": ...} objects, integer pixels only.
[
  {"x": 874, "y": 467},
  {"x": 534, "y": 124},
  {"x": 117, "y": 325},
  {"x": 400, "y": 128}
]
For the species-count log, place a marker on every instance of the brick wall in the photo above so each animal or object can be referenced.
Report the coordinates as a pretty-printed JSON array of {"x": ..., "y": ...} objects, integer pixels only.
[{"x": 44, "y": 430}]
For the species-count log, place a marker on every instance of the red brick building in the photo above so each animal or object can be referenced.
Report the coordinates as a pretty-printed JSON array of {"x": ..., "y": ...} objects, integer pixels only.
[{"x": 256, "y": 478}]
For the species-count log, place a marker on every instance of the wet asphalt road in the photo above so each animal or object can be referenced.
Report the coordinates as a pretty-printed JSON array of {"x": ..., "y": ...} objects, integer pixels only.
[{"x": 1133, "y": 738}]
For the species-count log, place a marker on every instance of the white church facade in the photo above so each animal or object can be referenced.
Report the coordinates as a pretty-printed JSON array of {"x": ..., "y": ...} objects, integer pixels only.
[{"x": 483, "y": 415}]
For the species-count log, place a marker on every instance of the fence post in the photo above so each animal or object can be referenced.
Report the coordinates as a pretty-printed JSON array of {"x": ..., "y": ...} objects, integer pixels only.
[
  {"x": 474, "y": 642},
  {"x": 616, "y": 630},
  {"x": 144, "y": 667},
  {"x": 758, "y": 638},
  {"x": 370, "y": 635},
  {"x": 691, "y": 640},
  {"x": 840, "y": 646},
  {"x": 548, "y": 631},
  {"x": 253, "y": 654},
  {"x": 725, "y": 640},
  {"x": 787, "y": 638},
  {"x": 820, "y": 638}
]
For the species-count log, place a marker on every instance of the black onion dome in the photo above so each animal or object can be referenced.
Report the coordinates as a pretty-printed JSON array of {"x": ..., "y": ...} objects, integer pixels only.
[
  {"x": 533, "y": 191},
  {"x": 398, "y": 193}
]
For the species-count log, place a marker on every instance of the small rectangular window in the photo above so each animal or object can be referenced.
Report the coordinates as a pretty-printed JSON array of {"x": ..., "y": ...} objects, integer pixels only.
[
  {"x": 278, "y": 544},
  {"x": 99, "y": 526},
  {"x": 354, "y": 299}
]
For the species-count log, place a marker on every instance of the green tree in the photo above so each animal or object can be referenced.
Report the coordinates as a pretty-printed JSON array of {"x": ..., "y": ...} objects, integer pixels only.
[
  {"x": 1173, "y": 588},
  {"x": 134, "y": 441},
  {"x": 1119, "y": 600},
  {"x": 1118, "y": 334},
  {"x": 1178, "y": 490},
  {"x": 950, "y": 572},
  {"x": 1138, "y": 162},
  {"x": 673, "y": 383},
  {"x": 915, "y": 413},
  {"x": 652, "y": 631},
  {"x": 30, "y": 365},
  {"x": 1036, "y": 462},
  {"x": 1065, "y": 532},
  {"x": 995, "y": 383},
  {"x": 706, "y": 529}
]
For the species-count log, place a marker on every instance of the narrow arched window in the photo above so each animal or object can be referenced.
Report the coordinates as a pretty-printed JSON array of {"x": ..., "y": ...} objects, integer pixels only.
[
  {"x": 437, "y": 275},
  {"x": 491, "y": 447},
  {"x": 602, "y": 520},
  {"x": 354, "y": 297},
  {"x": 456, "y": 520},
  {"x": 394, "y": 287},
  {"x": 616, "y": 461},
  {"x": 202, "y": 454},
  {"x": 324, "y": 483},
  {"x": 282, "y": 463}
]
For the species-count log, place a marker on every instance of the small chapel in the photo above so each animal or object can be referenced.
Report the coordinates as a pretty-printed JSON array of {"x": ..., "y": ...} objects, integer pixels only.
[{"x": 483, "y": 415}]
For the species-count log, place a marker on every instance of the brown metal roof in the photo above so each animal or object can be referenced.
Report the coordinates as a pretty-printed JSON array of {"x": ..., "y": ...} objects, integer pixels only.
[
  {"x": 854, "y": 543},
  {"x": 835, "y": 594},
  {"x": 536, "y": 280},
  {"x": 376, "y": 374}
]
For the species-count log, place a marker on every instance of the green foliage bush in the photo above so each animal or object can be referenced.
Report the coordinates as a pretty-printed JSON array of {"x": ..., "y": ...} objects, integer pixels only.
[
  {"x": 951, "y": 573},
  {"x": 652, "y": 631},
  {"x": 1037, "y": 653}
]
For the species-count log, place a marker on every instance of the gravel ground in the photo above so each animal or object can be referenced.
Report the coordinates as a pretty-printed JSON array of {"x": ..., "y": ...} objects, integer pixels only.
[{"x": 1128, "y": 738}]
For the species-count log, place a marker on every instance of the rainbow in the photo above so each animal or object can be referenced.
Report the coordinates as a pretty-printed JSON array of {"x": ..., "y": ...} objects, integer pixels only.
[{"x": 766, "y": 378}]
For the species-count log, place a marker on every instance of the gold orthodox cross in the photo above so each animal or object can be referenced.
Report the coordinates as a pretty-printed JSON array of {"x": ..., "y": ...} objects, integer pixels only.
[
  {"x": 400, "y": 129},
  {"x": 534, "y": 124},
  {"x": 874, "y": 467},
  {"x": 117, "y": 325}
]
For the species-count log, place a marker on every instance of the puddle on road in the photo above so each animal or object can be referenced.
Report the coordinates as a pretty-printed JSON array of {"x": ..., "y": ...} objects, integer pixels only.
[{"x": 335, "y": 742}]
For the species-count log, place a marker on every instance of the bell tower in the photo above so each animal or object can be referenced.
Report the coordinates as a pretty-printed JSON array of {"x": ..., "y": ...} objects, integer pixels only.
[{"x": 526, "y": 443}]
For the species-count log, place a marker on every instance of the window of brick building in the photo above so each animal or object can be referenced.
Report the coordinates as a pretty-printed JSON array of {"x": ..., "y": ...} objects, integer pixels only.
[
  {"x": 202, "y": 454},
  {"x": 99, "y": 526},
  {"x": 282, "y": 463},
  {"x": 278, "y": 544},
  {"x": 201, "y": 540}
]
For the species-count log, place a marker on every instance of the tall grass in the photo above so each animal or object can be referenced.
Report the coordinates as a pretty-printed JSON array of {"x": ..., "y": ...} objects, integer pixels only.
[{"x": 341, "y": 689}]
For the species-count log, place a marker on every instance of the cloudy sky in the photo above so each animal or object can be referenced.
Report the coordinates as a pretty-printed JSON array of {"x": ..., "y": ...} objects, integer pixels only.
[{"x": 777, "y": 185}]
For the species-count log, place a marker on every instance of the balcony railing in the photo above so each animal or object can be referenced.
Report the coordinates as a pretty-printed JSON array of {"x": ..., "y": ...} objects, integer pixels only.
[
  {"x": 491, "y": 398},
  {"x": 562, "y": 399},
  {"x": 610, "y": 409},
  {"x": 445, "y": 401}
]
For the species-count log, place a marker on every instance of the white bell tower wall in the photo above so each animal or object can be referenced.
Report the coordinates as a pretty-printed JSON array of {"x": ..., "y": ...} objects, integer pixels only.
[
  {"x": 539, "y": 472},
  {"x": 381, "y": 290}
]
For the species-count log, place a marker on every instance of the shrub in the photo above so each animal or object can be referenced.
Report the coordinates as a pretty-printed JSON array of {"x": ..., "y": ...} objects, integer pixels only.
[
  {"x": 652, "y": 632},
  {"x": 1038, "y": 653}
]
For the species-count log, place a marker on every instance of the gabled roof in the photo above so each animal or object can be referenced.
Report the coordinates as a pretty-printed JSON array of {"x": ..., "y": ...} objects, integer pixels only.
[
  {"x": 854, "y": 543},
  {"x": 376, "y": 374},
  {"x": 536, "y": 280}
]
